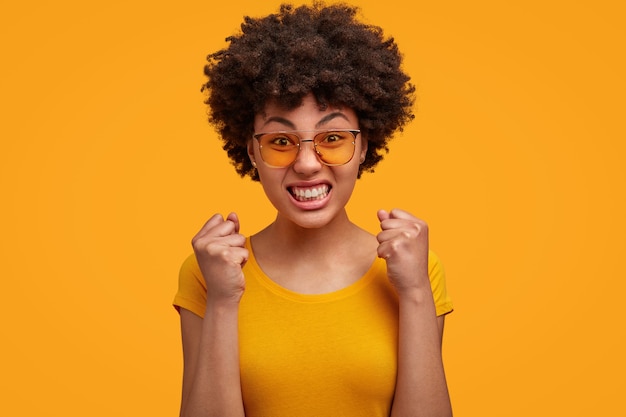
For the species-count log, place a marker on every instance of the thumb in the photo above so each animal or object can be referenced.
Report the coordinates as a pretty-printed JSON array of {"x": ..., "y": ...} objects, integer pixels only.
[
  {"x": 233, "y": 218},
  {"x": 400, "y": 214},
  {"x": 382, "y": 215}
]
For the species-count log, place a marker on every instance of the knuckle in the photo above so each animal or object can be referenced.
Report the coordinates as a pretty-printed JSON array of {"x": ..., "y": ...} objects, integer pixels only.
[
  {"x": 419, "y": 227},
  {"x": 396, "y": 245},
  {"x": 196, "y": 242},
  {"x": 421, "y": 224}
]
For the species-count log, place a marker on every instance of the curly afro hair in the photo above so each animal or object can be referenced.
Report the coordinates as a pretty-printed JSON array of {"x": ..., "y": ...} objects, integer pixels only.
[{"x": 315, "y": 49}]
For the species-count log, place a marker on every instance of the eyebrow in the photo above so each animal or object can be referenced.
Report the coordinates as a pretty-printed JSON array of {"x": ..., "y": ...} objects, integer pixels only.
[{"x": 321, "y": 123}]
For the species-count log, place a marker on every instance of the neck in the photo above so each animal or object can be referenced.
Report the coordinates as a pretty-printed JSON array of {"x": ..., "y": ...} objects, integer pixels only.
[
  {"x": 314, "y": 260},
  {"x": 289, "y": 237}
]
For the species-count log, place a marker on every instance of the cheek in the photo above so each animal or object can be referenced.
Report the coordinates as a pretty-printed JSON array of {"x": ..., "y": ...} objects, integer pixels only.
[
  {"x": 347, "y": 177},
  {"x": 270, "y": 178}
]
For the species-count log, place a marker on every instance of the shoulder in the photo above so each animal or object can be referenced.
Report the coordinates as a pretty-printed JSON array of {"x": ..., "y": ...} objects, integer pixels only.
[
  {"x": 190, "y": 270},
  {"x": 191, "y": 294},
  {"x": 437, "y": 276},
  {"x": 435, "y": 267}
]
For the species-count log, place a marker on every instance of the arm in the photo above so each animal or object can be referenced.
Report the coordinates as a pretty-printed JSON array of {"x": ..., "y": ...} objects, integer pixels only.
[
  {"x": 421, "y": 388},
  {"x": 211, "y": 378}
]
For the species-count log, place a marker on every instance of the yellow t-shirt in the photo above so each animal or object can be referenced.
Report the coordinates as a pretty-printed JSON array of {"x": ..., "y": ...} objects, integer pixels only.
[{"x": 315, "y": 355}]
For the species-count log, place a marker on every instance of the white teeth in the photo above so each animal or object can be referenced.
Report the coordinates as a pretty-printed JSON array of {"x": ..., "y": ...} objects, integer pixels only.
[{"x": 307, "y": 194}]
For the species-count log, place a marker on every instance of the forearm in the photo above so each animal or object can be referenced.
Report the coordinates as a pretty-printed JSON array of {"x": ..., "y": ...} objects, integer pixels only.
[
  {"x": 421, "y": 388},
  {"x": 215, "y": 387}
]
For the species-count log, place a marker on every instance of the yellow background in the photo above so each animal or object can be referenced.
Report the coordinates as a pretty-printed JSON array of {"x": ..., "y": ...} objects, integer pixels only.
[{"x": 516, "y": 160}]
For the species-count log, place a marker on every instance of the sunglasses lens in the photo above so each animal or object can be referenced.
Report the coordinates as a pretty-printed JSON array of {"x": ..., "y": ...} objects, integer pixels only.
[
  {"x": 335, "y": 148},
  {"x": 279, "y": 149}
]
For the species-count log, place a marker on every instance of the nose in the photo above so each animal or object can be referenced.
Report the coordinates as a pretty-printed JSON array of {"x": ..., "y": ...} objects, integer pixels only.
[{"x": 307, "y": 161}]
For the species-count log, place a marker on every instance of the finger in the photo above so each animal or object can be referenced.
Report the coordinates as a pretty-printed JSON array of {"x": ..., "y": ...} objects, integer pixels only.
[
  {"x": 389, "y": 234},
  {"x": 228, "y": 248},
  {"x": 401, "y": 214},
  {"x": 405, "y": 224},
  {"x": 394, "y": 224},
  {"x": 235, "y": 219},
  {"x": 216, "y": 226},
  {"x": 222, "y": 229},
  {"x": 382, "y": 215},
  {"x": 240, "y": 256},
  {"x": 235, "y": 255},
  {"x": 216, "y": 242},
  {"x": 234, "y": 240},
  {"x": 384, "y": 250},
  {"x": 211, "y": 223}
]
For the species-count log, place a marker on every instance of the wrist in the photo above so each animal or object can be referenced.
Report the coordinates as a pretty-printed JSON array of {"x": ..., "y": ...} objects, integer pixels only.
[
  {"x": 418, "y": 295},
  {"x": 222, "y": 304}
]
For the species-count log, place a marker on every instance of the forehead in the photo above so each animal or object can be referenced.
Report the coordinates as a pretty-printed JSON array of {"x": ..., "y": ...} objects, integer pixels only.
[{"x": 309, "y": 111}]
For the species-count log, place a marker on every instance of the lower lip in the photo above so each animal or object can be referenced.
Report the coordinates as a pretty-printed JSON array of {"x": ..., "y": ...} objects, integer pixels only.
[{"x": 311, "y": 204}]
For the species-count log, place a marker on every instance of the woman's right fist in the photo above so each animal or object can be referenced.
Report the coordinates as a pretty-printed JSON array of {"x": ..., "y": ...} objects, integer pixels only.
[{"x": 221, "y": 253}]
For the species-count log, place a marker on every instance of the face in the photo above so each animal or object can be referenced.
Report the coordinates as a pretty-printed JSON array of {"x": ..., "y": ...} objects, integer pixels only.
[{"x": 307, "y": 193}]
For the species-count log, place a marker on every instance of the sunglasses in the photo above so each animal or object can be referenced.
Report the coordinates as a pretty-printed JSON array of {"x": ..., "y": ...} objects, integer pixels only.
[{"x": 332, "y": 147}]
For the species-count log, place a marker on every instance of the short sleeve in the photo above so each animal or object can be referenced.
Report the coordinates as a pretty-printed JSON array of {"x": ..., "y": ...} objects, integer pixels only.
[
  {"x": 436, "y": 273},
  {"x": 191, "y": 294}
]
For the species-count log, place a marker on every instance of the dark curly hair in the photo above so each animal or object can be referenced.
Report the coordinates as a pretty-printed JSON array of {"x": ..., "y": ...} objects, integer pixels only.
[{"x": 315, "y": 49}]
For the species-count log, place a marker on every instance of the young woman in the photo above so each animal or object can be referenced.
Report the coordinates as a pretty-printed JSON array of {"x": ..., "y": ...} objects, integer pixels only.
[{"x": 312, "y": 316}]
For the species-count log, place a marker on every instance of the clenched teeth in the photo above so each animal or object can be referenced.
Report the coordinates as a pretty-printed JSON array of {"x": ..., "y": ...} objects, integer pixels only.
[{"x": 310, "y": 193}]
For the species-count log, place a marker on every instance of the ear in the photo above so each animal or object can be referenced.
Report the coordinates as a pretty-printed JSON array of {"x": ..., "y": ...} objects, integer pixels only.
[
  {"x": 363, "y": 149},
  {"x": 251, "y": 152}
]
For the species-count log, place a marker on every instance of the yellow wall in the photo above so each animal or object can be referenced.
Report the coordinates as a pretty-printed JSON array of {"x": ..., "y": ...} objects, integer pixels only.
[{"x": 516, "y": 159}]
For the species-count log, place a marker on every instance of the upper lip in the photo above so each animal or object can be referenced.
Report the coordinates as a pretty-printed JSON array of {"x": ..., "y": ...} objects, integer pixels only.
[{"x": 307, "y": 184}]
